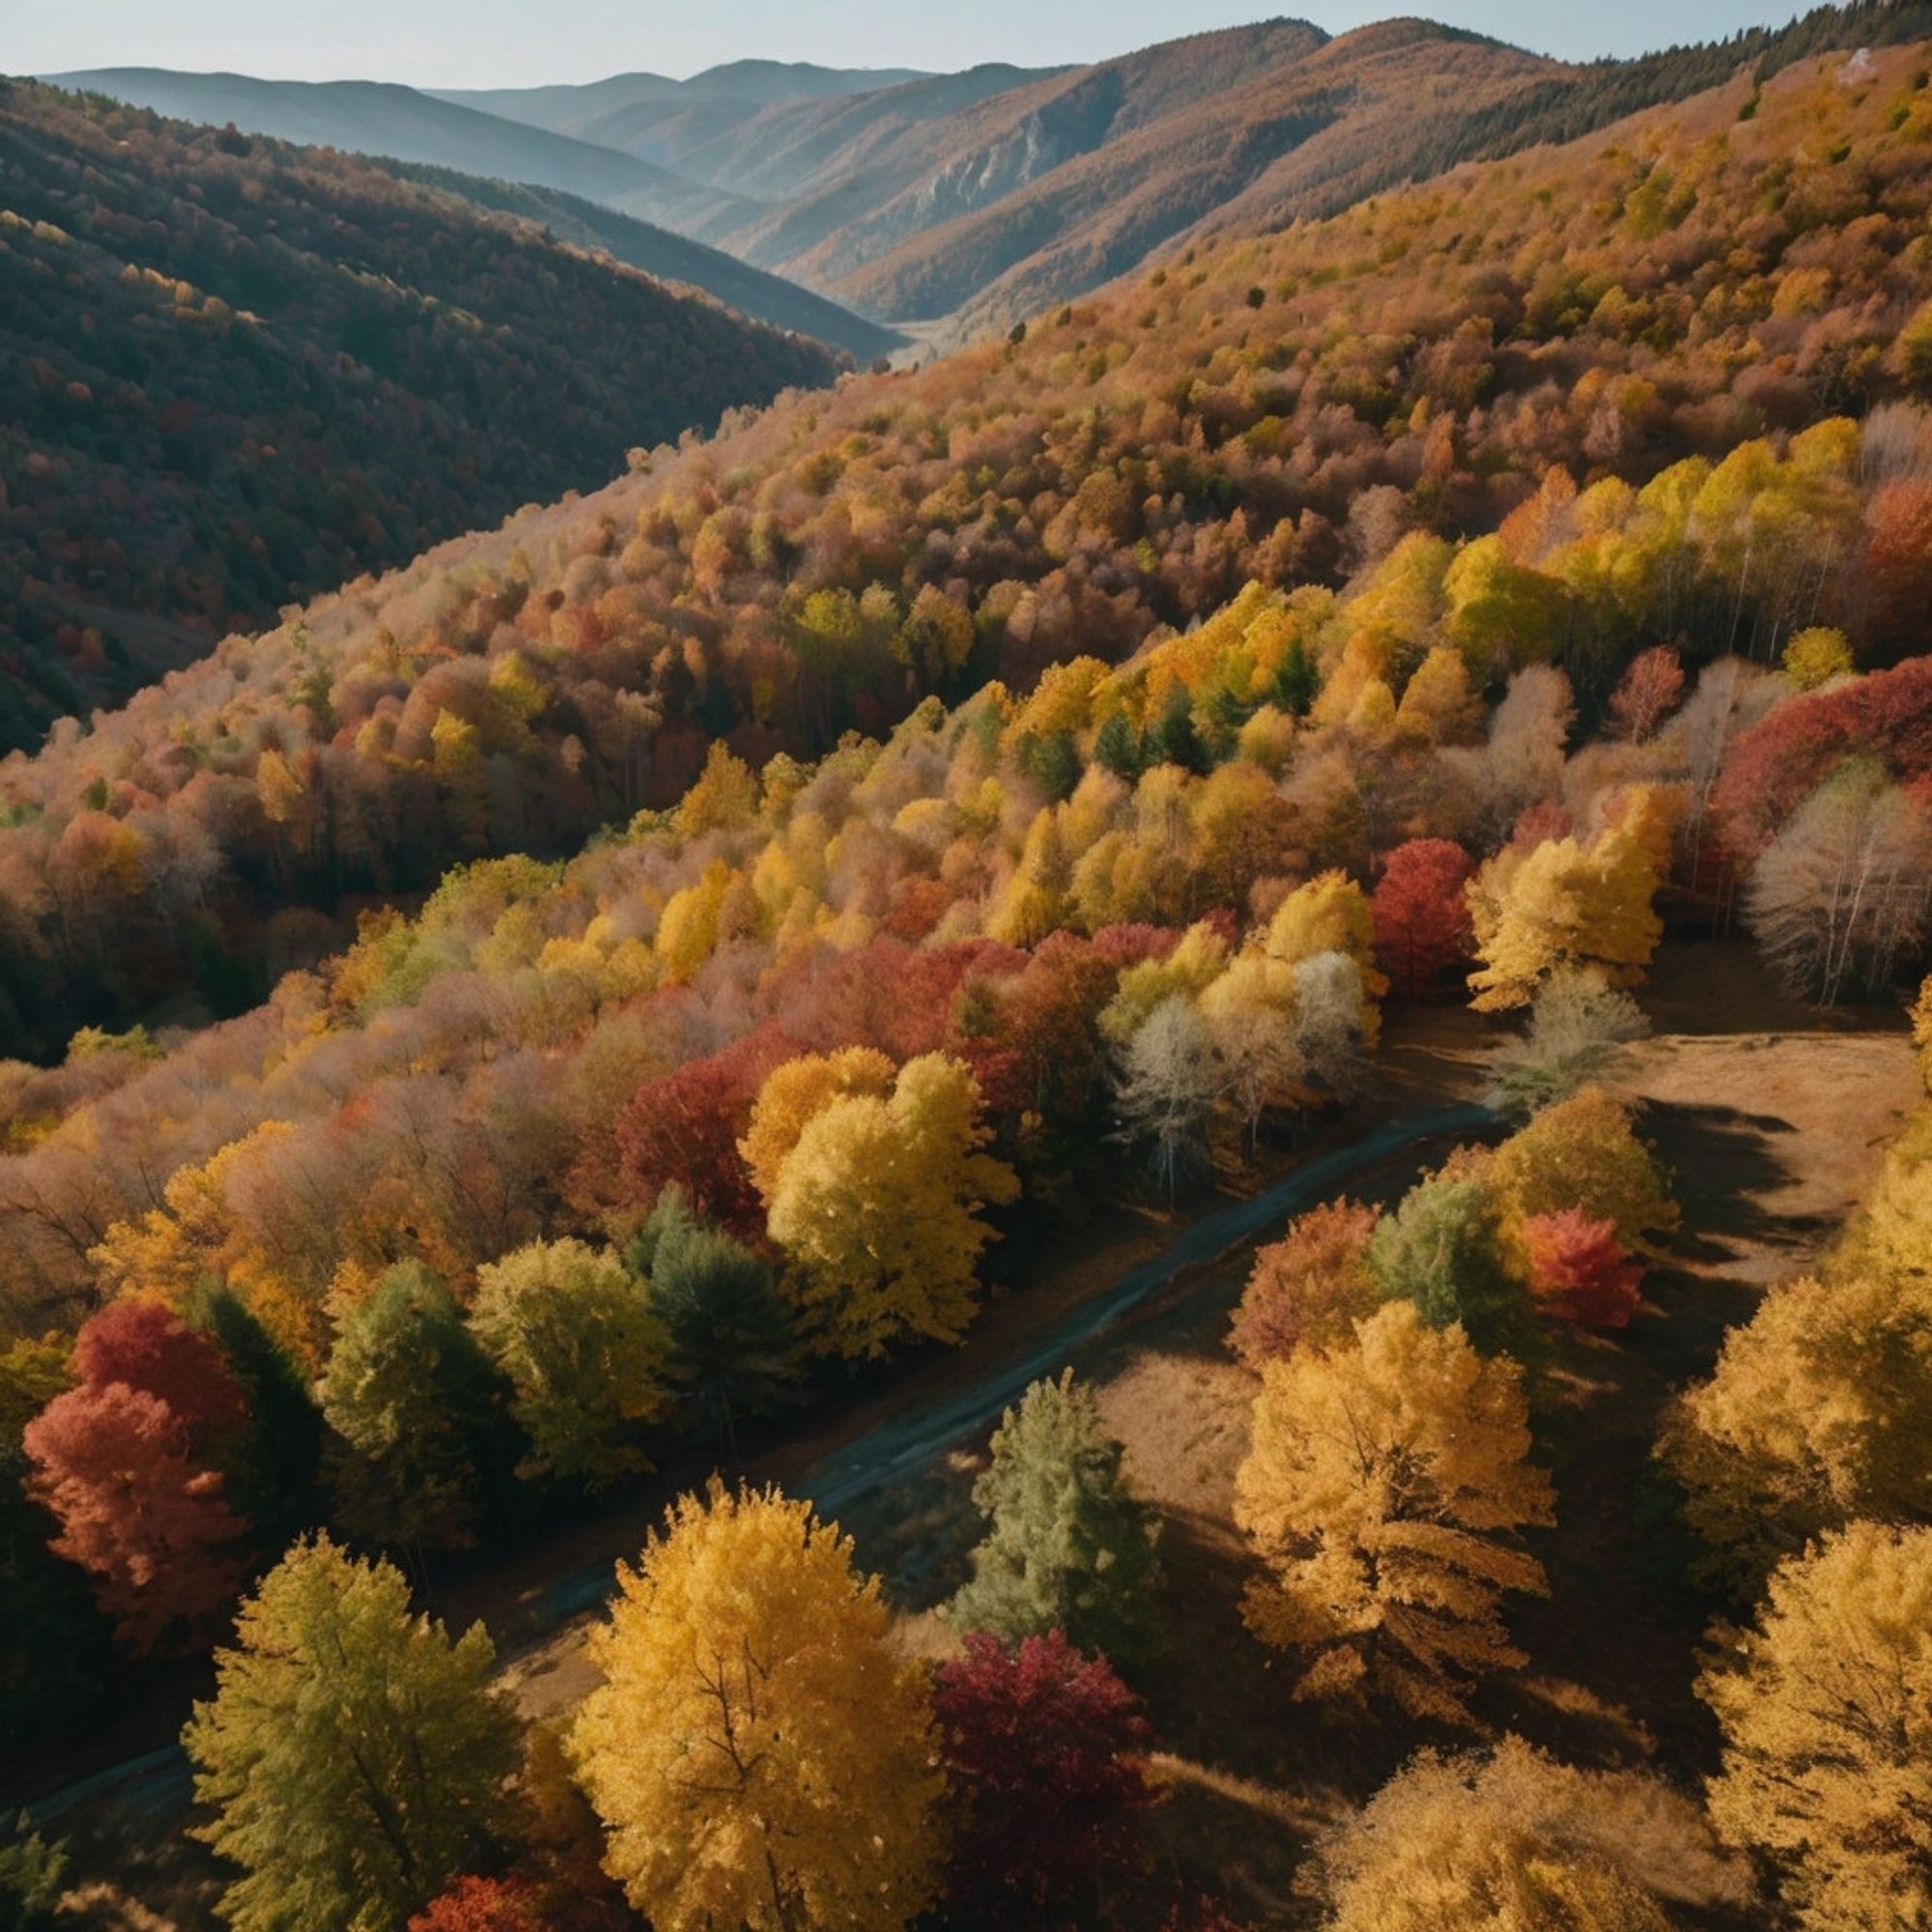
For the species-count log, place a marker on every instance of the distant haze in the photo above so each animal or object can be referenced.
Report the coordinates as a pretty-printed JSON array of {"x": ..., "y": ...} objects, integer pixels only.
[{"x": 508, "y": 42}]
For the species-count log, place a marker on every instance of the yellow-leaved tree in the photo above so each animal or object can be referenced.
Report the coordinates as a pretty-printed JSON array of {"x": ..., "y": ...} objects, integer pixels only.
[
  {"x": 876, "y": 1207},
  {"x": 1384, "y": 1489},
  {"x": 796, "y": 1091},
  {"x": 1565, "y": 903},
  {"x": 759, "y": 1755},
  {"x": 1510, "y": 1840},
  {"x": 1820, "y": 1408},
  {"x": 1827, "y": 1715},
  {"x": 1583, "y": 1152}
]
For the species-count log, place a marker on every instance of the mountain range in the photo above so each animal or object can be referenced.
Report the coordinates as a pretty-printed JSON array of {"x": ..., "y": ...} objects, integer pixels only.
[{"x": 966, "y": 201}]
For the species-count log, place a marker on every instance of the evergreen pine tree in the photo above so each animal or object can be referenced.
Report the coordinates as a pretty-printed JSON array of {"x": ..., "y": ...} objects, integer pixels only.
[
  {"x": 1296, "y": 681},
  {"x": 1116, "y": 747},
  {"x": 1174, "y": 739},
  {"x": 733, "y": 1333},
  {"x": 1069, "y": 1547},
  {"x": 413, "y": 1402},
  {"x": 272, "y": 1477}
]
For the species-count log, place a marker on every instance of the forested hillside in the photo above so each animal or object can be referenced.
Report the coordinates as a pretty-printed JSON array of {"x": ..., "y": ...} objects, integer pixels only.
[
  {"x": 1225, "y": 1002},
  {"x": 672, "y": 258},
  {"x": 1595, "y": 369},
  {"x": 240, "y": 372},
  {"x": 364, "y": 117}
]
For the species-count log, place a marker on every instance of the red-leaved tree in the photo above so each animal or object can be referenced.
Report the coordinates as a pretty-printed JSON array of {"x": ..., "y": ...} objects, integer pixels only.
[
  {"x": 138, "y": 1513},
  {"x": 146, "y": 1346},
  {"x": 1421, "y": 916},
  {"x": 127, "y": 1465},
  {"x": 1648, "y": 692},
  {"x": 1773, "y": 767},
  {"x": 684, "y": 1127},
  {"x": 1578, "y": 1271},
  {"x": 481, "y": 1905},
  {"x": 1308, "y": 1286},
  {"x": 1047, "y": 1749},
  {"x": 1898, "y": 558}
]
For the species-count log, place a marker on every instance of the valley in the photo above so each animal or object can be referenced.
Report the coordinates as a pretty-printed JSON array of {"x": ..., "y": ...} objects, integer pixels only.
[{"x": 940, "y": 995}]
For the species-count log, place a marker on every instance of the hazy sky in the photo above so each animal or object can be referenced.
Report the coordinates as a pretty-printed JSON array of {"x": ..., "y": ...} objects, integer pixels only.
[{"x": 508, "y": 42}]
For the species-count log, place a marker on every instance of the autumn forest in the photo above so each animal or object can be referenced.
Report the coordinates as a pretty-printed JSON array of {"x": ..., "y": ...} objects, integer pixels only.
[{"x": 1122, "y": 1122}]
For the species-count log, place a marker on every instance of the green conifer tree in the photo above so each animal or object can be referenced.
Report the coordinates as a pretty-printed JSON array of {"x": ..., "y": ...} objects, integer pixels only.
[
  {"x": 412, "y": 1401},
  {"x": 1069, "y": 1547}
]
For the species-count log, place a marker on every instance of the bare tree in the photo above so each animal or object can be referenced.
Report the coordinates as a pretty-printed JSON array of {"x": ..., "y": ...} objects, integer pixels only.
[
  {"x": 1167, "y": 1089},
  {"x": 1841, "y": 896}
]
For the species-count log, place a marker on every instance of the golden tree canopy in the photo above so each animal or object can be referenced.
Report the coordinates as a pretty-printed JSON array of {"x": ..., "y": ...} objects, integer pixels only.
[
  {"x": 1510, "y": 1840},
  {"x": 1383, "y": 1490},
  {"x": 878, "y": 1208},
  {"x": 758, "y": 1755},
  {"x": 1565, "y": 903},
  {"x": 1827, "y": 1714},
  {"x": 794, "y": 1093}
]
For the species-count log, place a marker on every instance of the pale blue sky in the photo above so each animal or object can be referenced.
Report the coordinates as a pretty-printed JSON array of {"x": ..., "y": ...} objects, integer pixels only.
[{"x": 510, "y": 43}]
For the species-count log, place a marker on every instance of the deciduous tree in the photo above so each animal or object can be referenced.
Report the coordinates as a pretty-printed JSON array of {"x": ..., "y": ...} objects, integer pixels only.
[
  {"x": 1648, "y": 692},
  {"x": 1826, "y": 1709},
  {"x": 354, "y": 1756},
  {"x": 1578, "y": 1028},
  {"x": 1510, "y": 1840},
  {"x": 1046, "y": 1751},
  {"x": 1167, "y": 1091},
  {"x": 1583, "y": 1152},
  {"x": 1421, "y": 912},
  {"x": 1442, "y": 1251},
  {"x": 795, "y": 1090},
  {"x": 1384, "y": 1492},
  {"x": 125, "y": 1463},
  {"x": 1843, "y": 893},
  {"x": 1820, "y": 1409},
  {"x": 758, "y": 1755},
  {"x": 1564, "y": 903},
  {"x": 1311, "y": 1286},
  {"x": 877, "y": 1207},
  {"x": 586, "y": 1358},
  {"x": 1578, "y": 1271}
]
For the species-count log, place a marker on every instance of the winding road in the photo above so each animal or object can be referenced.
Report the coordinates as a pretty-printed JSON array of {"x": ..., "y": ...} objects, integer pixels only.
[{"x": 159, "y": 1783}]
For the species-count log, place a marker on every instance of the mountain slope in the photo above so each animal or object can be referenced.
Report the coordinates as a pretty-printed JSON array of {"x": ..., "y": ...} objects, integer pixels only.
[
  {"x": 1305, "y": 130},
  {"x": 379, "y": 118},
  {"x": 1671, "y": 299},
  {"x": 239, "y": 372},
  {"x": 670, "y": 257},
  {"x": 905, "y": 171},
  {"x": 1548, "y": 412}
]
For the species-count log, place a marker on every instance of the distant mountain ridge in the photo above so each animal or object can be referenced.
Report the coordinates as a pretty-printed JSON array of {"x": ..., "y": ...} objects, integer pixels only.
[
  {"x": 580, "y": 110},
  {"x": 383, "y": 118},
  {"x": 965, "y": 202},
  {"x": 669, "y": 256}
]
